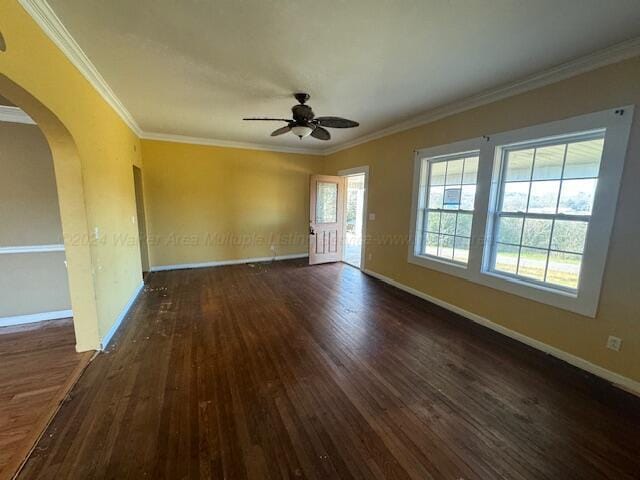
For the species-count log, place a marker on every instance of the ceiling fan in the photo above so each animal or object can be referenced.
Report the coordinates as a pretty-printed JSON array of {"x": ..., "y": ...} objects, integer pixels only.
[{"x": 305, "y": 122}]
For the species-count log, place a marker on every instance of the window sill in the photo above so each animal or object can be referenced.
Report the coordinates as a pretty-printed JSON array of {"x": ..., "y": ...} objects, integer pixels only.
[
  {"x": 441, "y": 265},
  {"x": 581, "y": 302}
]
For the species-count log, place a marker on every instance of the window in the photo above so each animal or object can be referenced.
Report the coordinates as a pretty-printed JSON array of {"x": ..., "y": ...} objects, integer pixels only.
[
  {"x": 449, "y": 198},
  {"x": 544, "y": 209},
  {"x": 529, "y": 212},
  {"x": 326, "y": 202}
]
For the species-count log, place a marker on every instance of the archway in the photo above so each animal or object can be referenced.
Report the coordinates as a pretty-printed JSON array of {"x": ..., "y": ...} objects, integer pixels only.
[{"x": 77, "y": 241}]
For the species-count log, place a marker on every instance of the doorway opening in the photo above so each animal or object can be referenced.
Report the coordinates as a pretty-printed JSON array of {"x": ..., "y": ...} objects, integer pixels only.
[
  {"x": 354, "y": 215},
  {"x": 37, "y": 339},
  {"x": 142, "y": 222}
]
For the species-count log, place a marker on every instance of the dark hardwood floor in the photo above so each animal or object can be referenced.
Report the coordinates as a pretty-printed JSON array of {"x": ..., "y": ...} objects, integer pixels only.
[
  {"x": 289, "y": 371},
  {"x": 38, "y": 366}
]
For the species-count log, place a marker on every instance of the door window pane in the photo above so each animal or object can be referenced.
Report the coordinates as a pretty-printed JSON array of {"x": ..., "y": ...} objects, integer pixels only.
[{"x": 326, "y": 202}]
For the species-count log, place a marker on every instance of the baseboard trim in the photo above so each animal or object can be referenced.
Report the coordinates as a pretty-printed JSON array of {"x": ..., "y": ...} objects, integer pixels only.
[
  {"x": 616, "y": 379},
  {"x": 114, "y": 328},
  {"x": 35, "y": 317},
  {"x": 220, "y": 263}
]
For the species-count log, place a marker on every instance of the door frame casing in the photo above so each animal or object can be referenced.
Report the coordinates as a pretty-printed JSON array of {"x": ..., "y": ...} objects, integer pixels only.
[{"x": 348, "y": 172}]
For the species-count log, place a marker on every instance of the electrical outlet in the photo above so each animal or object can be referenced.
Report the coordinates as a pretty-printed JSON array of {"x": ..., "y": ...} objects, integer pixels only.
[
  {"x": 614, "y": 343},
  {"x": 372, "y": 216}
]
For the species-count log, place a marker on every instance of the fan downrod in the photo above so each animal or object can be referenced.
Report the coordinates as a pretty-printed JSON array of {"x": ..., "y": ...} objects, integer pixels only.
[{"x": 302, "y": 97}]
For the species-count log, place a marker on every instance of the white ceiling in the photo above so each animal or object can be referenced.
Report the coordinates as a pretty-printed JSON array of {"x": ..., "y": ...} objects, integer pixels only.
[{"x": 196, "y": 67}]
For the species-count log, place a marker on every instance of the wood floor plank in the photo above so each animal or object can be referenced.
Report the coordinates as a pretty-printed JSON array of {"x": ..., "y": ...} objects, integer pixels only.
[
  {"x": 38, "y": 367},
  {"x": 282, "y": 370}
]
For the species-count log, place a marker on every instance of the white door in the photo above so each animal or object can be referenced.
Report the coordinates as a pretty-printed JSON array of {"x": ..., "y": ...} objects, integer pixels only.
[{"x": 326, "y": 197}]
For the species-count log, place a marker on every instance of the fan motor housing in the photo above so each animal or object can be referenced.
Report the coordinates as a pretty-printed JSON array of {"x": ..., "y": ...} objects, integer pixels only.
[{"x": 302, "y": 113}]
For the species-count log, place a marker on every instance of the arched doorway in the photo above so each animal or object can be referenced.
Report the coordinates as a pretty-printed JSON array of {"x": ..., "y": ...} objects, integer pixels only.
[
  {"x": 70, "y": 189},
  {"x": 40, "y": 363}
]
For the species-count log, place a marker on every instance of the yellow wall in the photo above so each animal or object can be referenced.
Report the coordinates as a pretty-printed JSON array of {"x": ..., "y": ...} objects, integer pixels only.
[
  {"x": 209, "y": 203},
  {"x": 106, "y": 149},
  {"x": 390, "y": 183}
]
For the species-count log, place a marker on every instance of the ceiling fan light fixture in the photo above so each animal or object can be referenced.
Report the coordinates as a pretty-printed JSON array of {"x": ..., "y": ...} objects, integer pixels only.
[
  {"x": 305, "y": 122},
  {"x": 302, "y": 130}
]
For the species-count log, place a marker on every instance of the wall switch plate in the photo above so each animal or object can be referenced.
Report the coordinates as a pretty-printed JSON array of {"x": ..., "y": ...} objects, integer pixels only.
[
  {"x": 614, "y": 343},
  {"x": 372, "y": 216}
]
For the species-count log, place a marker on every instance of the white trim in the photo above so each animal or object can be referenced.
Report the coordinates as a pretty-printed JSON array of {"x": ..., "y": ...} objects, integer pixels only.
[
  {"x": 32, "y": 249},
  {"x": 53, "y": 27},
  {"x": 109, "y": 335},
  {"x": 365, "y": 215},
  {"x": 14, "y": 115},
  {"x": 585, "y": 301},
  {"x": 166, "y": 137},
  {"x": 616, "y": 379},
  {"x": 49, "y": 22},
  {"x": 35, "y": 317},
  {"x": 600, "y": 58},
  {"x": 220, "y": 263},
  {"x": 419, "y": 194}
]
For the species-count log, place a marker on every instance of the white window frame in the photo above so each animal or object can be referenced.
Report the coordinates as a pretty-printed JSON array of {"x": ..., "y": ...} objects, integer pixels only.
[
  {"x": 420, "y": 187},
  {"x": 617, "y": 123}
]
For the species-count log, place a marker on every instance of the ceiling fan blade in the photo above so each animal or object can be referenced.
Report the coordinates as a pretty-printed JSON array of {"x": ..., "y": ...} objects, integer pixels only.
[
  {"x": 321, "y": 134},
  {"x": 336, "y": 122},
  {"x": 281, "y": 131},
  {"x": 268, "y": 119}
]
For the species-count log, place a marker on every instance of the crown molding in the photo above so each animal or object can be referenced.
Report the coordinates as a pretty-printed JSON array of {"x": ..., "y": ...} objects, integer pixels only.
[
  {"x": 166, "y": 137},
  {"x": 14, "y": 115},
  {"x": 616, "y": 53},
  {"x": 49, "y": 22},
  {"x": 52, "y": 26}
]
